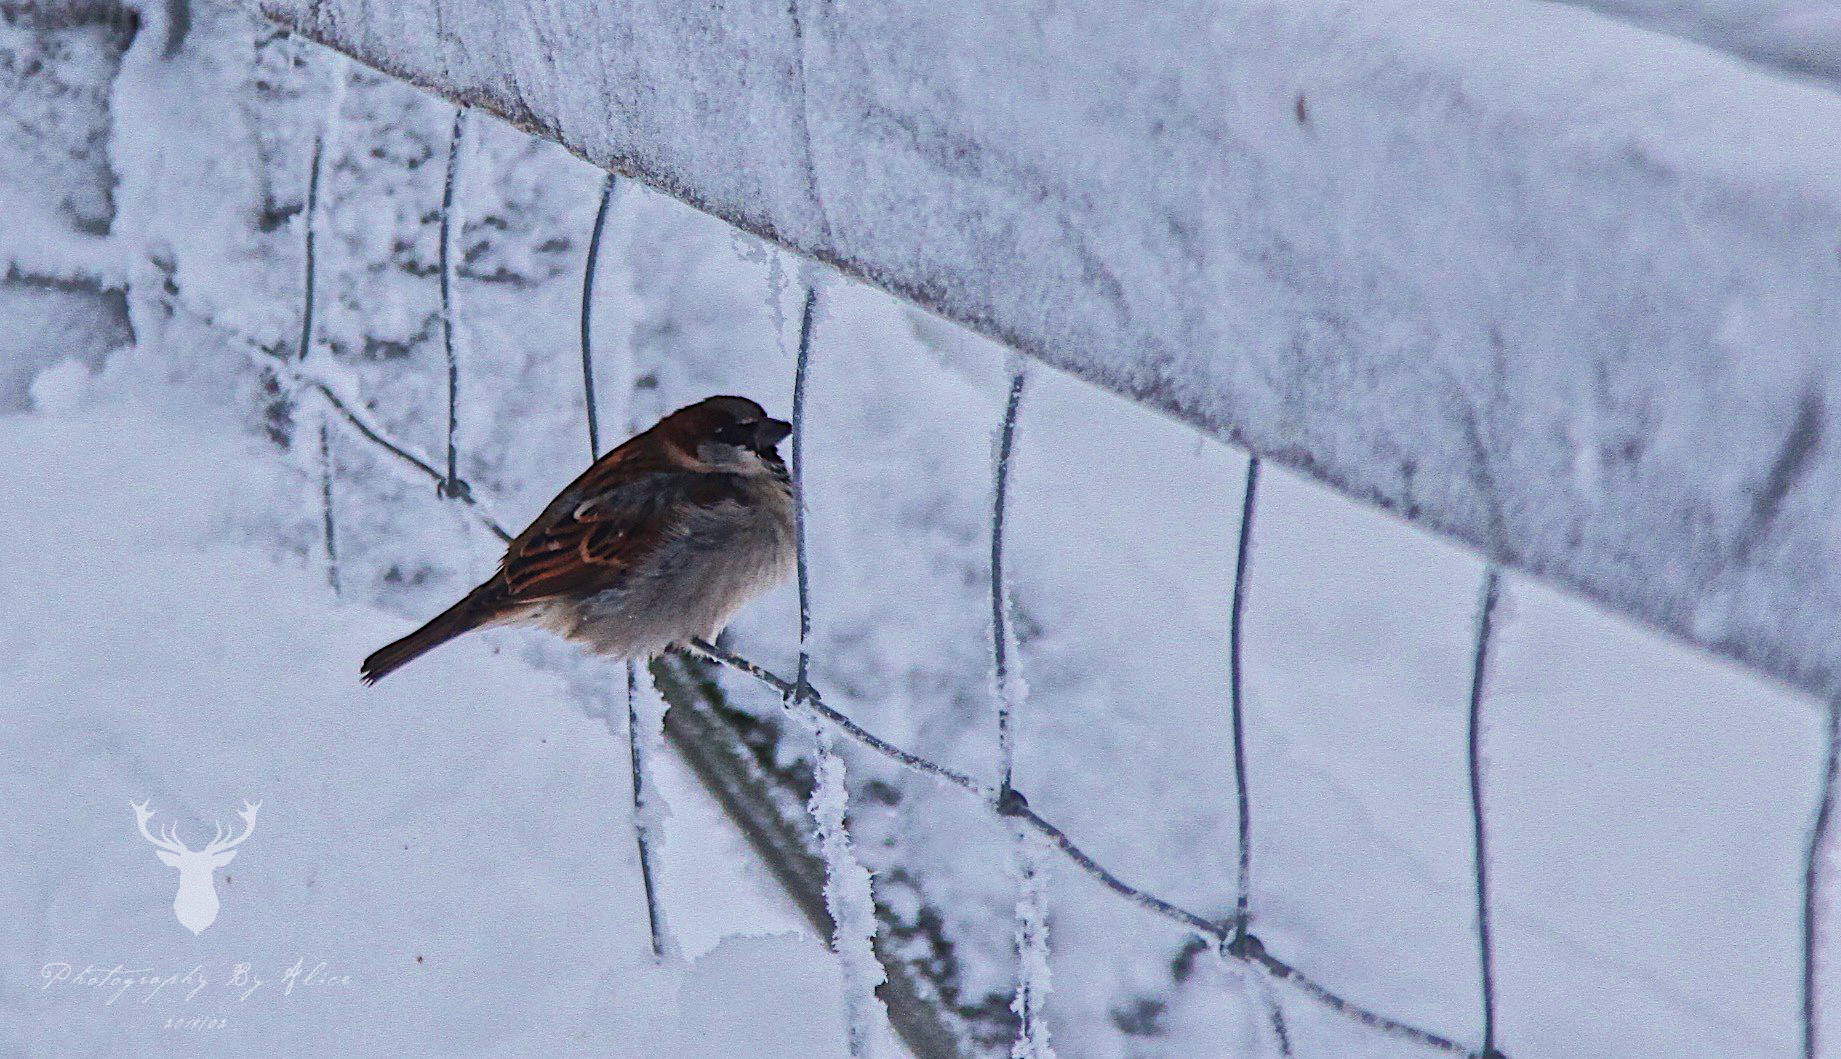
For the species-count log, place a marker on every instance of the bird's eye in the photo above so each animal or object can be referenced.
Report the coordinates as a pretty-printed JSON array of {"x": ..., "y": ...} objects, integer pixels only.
[{"x": 734, "y": 433}]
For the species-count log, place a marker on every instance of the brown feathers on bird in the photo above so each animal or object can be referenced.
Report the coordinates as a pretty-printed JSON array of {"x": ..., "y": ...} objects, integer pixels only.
[{"x": 659, "y": 542}]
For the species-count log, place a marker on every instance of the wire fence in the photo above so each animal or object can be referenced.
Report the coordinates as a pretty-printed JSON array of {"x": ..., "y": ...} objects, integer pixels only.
[
  {"x": 329, "y": 530},
  {"x": 1479, "y": 672},
  {"x": 1031, "y": 916},
  {"x": 1233, "y": 938},
  {"x": 451, "y": 223},
  {"x": 1814, "y": 875},
  {"x": 1236, "y": 696},
  {"x": 640, "y": 770},
  {"x": 848, "y": 895}
]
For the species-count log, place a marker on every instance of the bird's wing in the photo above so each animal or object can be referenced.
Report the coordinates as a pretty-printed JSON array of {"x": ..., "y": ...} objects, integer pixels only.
[{"x": 609, "y": 521}]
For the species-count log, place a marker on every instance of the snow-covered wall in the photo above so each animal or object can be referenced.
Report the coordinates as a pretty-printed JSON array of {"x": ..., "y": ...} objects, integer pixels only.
[
  {"x": 1797, "y": 36},
  {"x": 1556, "y": 286}
]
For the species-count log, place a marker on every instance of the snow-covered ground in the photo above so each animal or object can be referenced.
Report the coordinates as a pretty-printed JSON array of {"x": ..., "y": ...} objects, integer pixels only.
[
  {"x": 170, "y": 635},
  {"x": 462, "y": 873}
]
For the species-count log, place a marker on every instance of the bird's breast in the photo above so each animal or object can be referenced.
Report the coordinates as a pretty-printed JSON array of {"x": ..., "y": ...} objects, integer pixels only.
[{"x": 724, "y": 556}]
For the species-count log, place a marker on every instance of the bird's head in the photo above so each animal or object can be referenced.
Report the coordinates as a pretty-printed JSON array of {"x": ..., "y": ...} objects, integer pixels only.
[{"x": 727, "y": 434}]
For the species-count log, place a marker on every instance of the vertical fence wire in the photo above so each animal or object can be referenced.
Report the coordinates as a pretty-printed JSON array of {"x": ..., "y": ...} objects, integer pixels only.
[
  {"x": 808, "y": 315},
  {"x": 639, "y": 765},
  {"x": 1031, "y": 919},
  {"x": 588, "y": 277},
  {"x": 452, "y": 223},
  {"x": 1034, "y": 977},
  {"x": 326, "y": 134},
  {"x": 329, "y": 529},
  {"x": 1000, "y": 601},
  {"x": 1275, "y": 1015},
  {"x": 1239, "y": 939},
  {"x": 1813, "y": 871},
  {"x": 642, "y": 813},
  {"x": 310, "y": 278},
  {"x": 1236, "y": 702},
  {"x": 1479, "y": 672},
  {"x": 848, "y": 894}
]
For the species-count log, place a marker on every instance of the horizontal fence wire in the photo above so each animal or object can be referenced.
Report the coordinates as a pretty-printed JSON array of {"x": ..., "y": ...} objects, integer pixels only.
[
  {"x": 371, "y": 432},
  {"x": 1014, "y": 807}
]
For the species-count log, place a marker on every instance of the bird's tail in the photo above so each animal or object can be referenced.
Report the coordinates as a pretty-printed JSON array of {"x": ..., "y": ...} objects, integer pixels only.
[{"x": 465, "y": 616}]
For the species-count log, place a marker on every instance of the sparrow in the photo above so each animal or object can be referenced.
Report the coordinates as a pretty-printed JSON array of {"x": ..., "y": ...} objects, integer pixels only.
[{"x": 660, "y": 542}]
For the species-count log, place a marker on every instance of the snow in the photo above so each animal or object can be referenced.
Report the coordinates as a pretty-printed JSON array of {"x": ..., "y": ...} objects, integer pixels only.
[
  {"x": 645, "y": 733},
  {"x": 59, "y": 289},
  {"x": 421, "y": 839},
  {"x": 749, "y": 985},
  {"x": 64, "y": 255},
  {"x": 1648, "y": 806},
  {"x": 848, "y": 897},
  {"x": 1796, "y": 36},
  {"x": 61, "y": 388},
  {"x": 1035, "y": 974}
]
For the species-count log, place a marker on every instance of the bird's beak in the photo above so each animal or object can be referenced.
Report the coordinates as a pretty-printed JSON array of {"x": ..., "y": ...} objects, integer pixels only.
[{"x": 771, "y": 432}]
